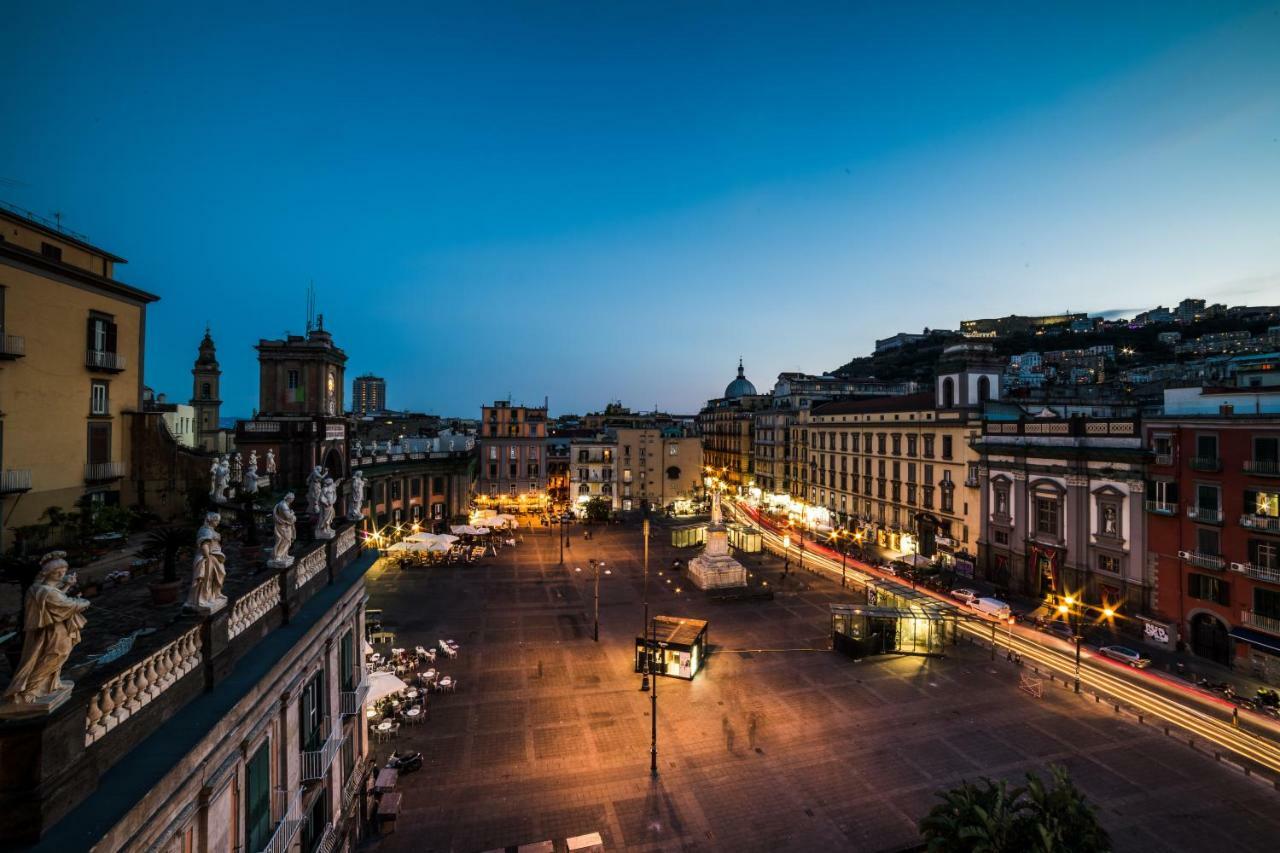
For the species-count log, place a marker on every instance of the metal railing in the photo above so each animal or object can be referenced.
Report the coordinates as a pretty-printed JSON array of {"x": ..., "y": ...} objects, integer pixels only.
[
  {"x": 351, "y": 702},
  {"x": 12, "y": 346},
  {"x": 291, "y": 820},
  {"x": 1205, "y": 561},
  {"x": 1260, "y": 522},
  {"x": 1270, "y": 624},
  {"x": 1164, "y": 458},
  {"x": 329, "y": 841},
  {"x": 103, "y": 360},
  {"x": 1262, "y": 466},
  {"x": 1161, "y": 507},
  {"x": 1206, "y": 463},
  {"x": 52, "y": 224},
  {"x": 316, "y": 762},
  {"x": 1208, "y": 515},
  {"x": 15, "y": 480},
  {"x": 1259, "y": 573},
  {"x": 96, "y": 472}
]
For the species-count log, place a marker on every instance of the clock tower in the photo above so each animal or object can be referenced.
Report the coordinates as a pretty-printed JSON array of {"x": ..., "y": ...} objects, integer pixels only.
[{"x": 206, "y": 397}]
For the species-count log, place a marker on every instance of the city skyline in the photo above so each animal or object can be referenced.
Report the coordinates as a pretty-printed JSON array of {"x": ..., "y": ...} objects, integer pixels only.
[{"x": 525, "y": 190}]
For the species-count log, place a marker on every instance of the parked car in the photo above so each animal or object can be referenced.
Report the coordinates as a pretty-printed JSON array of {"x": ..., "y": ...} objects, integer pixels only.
[
  {"x": 1124, "y": 654},
  {"x": 993, "y": 607},
  {"x": 968, "y": 596}
]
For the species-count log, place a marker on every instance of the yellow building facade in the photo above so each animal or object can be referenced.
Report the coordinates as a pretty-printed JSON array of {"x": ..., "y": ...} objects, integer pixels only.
[{"x": 71, "y": 365}]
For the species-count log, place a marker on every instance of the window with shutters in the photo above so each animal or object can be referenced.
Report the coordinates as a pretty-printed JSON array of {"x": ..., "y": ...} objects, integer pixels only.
[
  {"x": 1208, "y": 588},
  {"x": 257, "y": 798},
  {"x": 347, "y": 662},
  {"x": 50, "y": 251},
  {"x": 1263, "y": 554},
  {"x": 98, "y": 403},
  {"x": 311, "y": 709},
  {"x": 99, "y": 443}
]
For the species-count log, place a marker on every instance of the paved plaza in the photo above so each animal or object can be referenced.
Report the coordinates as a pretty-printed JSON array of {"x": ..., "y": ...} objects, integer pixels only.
[{"x": 778, "y": 744}]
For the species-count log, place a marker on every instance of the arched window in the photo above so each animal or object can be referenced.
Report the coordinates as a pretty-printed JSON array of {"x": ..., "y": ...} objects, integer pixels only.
[
  {"x": 584, "y": 489},
  {"x": 206, "y": 390},
  {"x": 673, "y": 473},
  {"x": 948, "y": 393},
  {"x": 984, "y": 388}
]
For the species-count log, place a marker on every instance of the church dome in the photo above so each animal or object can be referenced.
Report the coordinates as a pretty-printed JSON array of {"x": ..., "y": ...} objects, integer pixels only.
[{"x": 740, "y": 387}]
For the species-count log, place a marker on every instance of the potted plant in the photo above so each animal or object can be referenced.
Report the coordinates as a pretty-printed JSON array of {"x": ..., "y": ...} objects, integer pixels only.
[{"x": 165, "y": 543}]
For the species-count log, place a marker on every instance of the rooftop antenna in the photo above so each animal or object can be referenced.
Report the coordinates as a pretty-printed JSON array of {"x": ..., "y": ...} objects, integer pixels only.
[
  {"x": 311, "y": 305},
  {"x": 57, "y": 218}
]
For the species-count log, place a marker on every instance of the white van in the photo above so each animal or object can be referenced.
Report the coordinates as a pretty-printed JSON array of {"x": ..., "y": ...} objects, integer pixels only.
[{"x": 993, "y": 607}]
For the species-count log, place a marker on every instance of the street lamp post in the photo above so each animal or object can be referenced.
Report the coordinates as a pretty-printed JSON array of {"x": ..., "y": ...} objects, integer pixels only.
[
  {"x": 786, "y": 555},
  {"x": 844, "y": 554},
  {"x": 644, "y": 682},
  {"x": 653, "y": 706},
  {"x": 562, "y": 539},
  {"x": 1069, "y": 609}
]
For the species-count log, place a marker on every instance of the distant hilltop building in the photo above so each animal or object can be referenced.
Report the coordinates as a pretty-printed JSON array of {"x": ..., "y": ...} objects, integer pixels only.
[
  {"x": 369, "y": 394},
  {"x": 1016, "y": 324}
]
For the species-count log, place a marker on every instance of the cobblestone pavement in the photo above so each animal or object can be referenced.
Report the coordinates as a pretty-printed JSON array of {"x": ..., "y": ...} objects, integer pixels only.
[{"x": 778, "y": 744}]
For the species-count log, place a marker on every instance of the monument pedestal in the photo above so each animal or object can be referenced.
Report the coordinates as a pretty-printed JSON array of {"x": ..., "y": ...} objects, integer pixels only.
[
  {"x": 715, "y": 567},
  {"x": 38, "y": 707}
]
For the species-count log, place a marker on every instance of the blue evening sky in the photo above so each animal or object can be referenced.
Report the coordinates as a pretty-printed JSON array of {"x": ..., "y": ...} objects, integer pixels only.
[{"x": 593, "y": 201}]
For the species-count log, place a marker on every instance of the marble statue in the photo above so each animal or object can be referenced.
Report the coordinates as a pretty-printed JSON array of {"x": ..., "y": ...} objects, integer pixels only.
[
  {"x": 250, "y": 482},
  {"x": 315, "y": 483},
  {"x": 717, "y": 518},
  {"x": 328, "y": 499},
  {"x": 221, "y": 480},
  {"x": 355, "y": 501},
  {"x": 52, "y": 620},
  {"x": 253, "y": 460},
  {"x": 208, "y": 569},
  {"x": 271, "y": 462},
  {"x": 285, "y": 523},
  {"x": 359, "y": 448},
  {"x": 213, "y": 481}
]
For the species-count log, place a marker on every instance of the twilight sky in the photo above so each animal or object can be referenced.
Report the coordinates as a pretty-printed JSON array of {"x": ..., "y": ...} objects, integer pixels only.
[{"x": 594, "y": 201}]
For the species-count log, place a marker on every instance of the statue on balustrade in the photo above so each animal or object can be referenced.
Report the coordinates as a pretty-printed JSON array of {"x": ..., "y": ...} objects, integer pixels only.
[
  {"x": 286, "y": 531},
  {"x": 355, "y": 503},
  {"x": 328, "y": 500},
  {"x": 208, "y": 569},
  {"x": 315, "y": 484},
  {"x": 271, "y": 462},
  {"x": 52, "y": 620}
]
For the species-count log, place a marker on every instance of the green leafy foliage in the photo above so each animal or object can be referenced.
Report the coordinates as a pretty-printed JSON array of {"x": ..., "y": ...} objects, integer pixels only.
[
  {"x": 598, "y": 509},
  {"x": 991, "y": 817}
]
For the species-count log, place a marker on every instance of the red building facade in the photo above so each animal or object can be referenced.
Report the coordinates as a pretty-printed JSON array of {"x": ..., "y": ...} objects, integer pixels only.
[{"x": 1213, "y": 516}]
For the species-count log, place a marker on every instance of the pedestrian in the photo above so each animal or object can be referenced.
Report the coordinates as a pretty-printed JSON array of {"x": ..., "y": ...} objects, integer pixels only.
[{"x": 1235, "y": 717}]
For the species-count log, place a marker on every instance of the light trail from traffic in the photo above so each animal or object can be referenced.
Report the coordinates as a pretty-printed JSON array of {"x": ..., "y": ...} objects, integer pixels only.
[{"x": 1098, "y": 674}]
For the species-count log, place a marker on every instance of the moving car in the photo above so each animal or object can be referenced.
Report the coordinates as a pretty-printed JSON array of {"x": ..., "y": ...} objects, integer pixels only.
[
  {"x": 993, "y": 607},
  {"x": 1124, "y": 654},
  {"x": 968, "y": 596}
]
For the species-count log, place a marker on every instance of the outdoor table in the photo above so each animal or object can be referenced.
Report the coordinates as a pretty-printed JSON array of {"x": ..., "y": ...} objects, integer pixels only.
[
  {"x": 384, "y": 726},
  {"x": 429, "y": 675},
  {"x": 445, "y": 682},
  {"x": 387, "y": 778},
  {"x": 371, "y": 713},
  {"x": 389, "y": 807},
  {"x": 413, "y": 712},
  {"x": 411, "y": 693}
]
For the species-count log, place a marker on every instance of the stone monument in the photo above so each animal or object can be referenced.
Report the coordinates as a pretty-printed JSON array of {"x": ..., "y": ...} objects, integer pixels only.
[
  {"x": 328, "y": 499},
  {"x": 715, "y": 567},
  {"x": 355, "y": 502},
  {"x": 285, "y": 522},
  {"x": 52, "y": 620},
  {"x": 208, "y": 569}
]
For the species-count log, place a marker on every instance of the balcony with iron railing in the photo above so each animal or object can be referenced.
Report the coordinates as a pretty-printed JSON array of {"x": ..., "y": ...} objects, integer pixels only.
[
  {"x": 1262, "y": 467},
  {"x": 14, "y": 481},
  {"x": 1205, "y": 514},
  {"x": 1269, "y": 574},
  {"x": 329, "y": 840},
  {"x": 1264, "y": 523},
  {"x": 109, "y": 362},
  {"x": 291, "y": 820},
  {"x": 316, "y": 762},
  {"x": 1164, "y": 458},
  {"x": 1203, "y": 560},
  {"x": 1270, "y": 624},
  {"x": 1161, "y": 507},
  {"x": 103, "y": 472},
  {"x": 1206, "y": 463},
  {"x": 12, "y": 346},
  {"x": 352, "y": 701}
]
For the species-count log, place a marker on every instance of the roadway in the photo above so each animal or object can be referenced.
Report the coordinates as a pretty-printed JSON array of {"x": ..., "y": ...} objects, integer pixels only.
[{"x": 1145, "y": 692}]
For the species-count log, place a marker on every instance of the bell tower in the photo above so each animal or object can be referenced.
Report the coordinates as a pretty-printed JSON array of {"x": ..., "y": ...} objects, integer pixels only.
[{"x": 206, "y": 396}]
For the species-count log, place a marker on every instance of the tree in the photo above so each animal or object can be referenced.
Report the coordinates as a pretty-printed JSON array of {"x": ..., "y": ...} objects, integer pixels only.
[
  {"x": 993, "y": 818},
  {"x": 598, "y": 509},
  {"x": 165, "y": 543}
]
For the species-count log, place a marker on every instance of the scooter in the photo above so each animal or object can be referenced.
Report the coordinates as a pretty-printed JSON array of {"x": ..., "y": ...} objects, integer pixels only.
[{"x": 405, "y": 762}]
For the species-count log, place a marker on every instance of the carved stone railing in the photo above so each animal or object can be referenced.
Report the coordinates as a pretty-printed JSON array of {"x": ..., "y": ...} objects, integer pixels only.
[
  {"x": 252, "y": 606},
  {"x": 346, "y": 541},
  {"x": 310, "y": 566},
  {"x": 134, "y": 688}
]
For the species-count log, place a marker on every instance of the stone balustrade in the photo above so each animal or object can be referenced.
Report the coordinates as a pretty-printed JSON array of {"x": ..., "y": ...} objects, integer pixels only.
[
  {"x": 345, "y": 542},
  {"x": 310, "y": 566},
  {"x": 131, "y": 690},
  {"x": 252, "y": 606}
]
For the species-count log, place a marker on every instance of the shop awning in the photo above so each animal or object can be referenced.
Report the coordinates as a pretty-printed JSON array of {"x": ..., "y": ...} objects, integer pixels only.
[{"x": 1257, "y": 639}]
